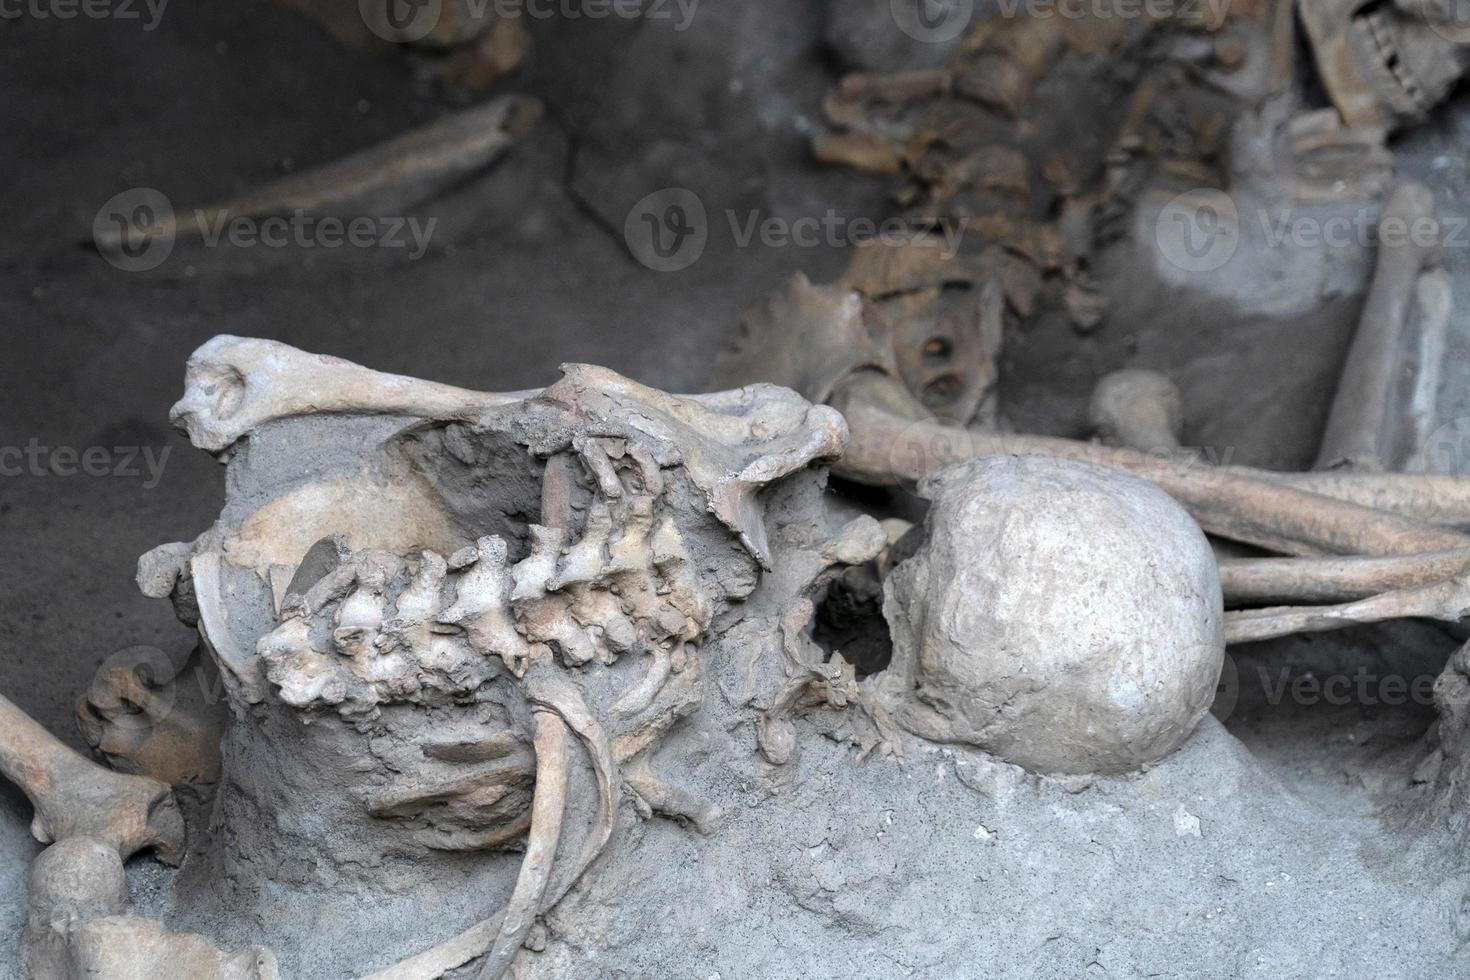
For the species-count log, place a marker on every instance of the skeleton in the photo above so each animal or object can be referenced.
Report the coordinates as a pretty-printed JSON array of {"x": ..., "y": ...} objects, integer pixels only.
[{"x": 520, "y": 641}]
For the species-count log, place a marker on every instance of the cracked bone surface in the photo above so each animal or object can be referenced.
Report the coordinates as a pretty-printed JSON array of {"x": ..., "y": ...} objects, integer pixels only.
[
  {"x": 75, "y": 797},
  {"x": 460, "y": 619},
  {"x": 1063, "y": 616}
]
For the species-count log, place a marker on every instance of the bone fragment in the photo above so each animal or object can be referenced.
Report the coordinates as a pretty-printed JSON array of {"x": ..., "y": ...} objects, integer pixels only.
[{"x": 1137, "y": 409}]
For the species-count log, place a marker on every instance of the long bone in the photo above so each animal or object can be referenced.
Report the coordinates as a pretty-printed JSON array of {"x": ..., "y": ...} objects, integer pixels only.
[
  {"x": 1139, "y": 409},
  {"x": 74, "y": 797},
  {"x": 548, "y": 813},
  {"x": 1447, "y": 601},
  {"x": 235, "y": 385},
  {"x": 1377, "y": 420},
  {"x": 892, "y": 441},
  {"x": 385, "y": 179},
  {"x": 1299, "y": 580}
]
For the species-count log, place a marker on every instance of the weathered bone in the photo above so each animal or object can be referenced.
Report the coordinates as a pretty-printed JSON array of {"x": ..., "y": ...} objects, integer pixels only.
[
  {"x": 1376, "y": 421},
  {"x": 1140, "y": 410},
  {"x": 889, "y": 445},
  {"x": 1137, "y": 409},
  {"x": 387, "y": 179},
  {"x": 234, "y": 385},
  {"x": 75, "y": 797},
  {"x": 1248, "y": 581},
  {"x": 548, "y": 814},
  {"x": 1447, "y": 600}
]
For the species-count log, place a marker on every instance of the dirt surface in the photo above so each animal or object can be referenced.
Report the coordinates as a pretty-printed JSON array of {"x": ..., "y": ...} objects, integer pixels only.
[{"x": 527, "y": 268}]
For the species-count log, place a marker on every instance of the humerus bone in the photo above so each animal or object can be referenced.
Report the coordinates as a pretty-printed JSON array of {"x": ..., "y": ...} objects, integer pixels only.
[
  {"x": 74, "y": 797},
  {"x": 234, "y": 385}
]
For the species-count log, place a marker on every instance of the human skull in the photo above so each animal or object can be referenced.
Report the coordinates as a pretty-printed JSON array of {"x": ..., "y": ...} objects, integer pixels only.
[{"x": 1066, "y": 617}]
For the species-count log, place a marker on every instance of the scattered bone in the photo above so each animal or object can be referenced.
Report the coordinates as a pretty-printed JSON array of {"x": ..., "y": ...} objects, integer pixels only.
[
  {"x": 166, "y": 726},
  {"x": 74, "y": 797},
  {"x": 661, "y": 797},
  {"x": 388, "y": 179},
  {"x": 76, "y": 929}
]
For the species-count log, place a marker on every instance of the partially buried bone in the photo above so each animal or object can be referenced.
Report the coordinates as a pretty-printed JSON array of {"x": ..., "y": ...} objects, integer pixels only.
[
  {"x": 74, "y": 797},
  {"x": 892, "y": 441},
  {"x": 387, "y": 179},
  {"x": 146, "y": 716},
  {"x": 1063, "y": 616}
]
